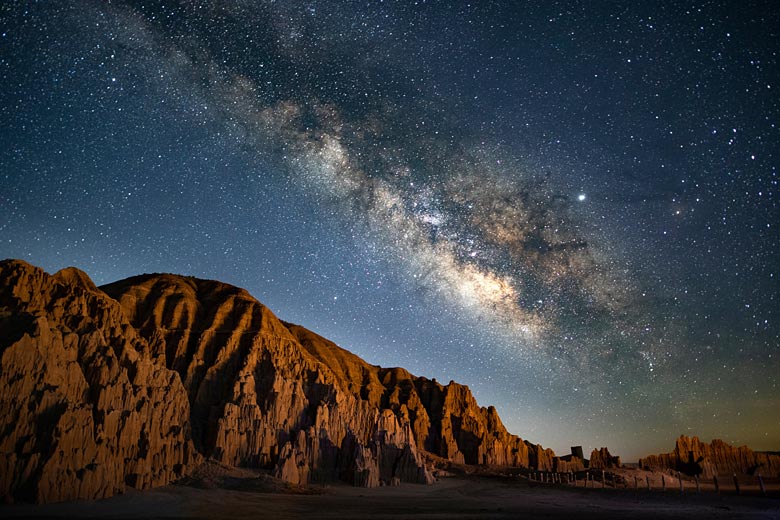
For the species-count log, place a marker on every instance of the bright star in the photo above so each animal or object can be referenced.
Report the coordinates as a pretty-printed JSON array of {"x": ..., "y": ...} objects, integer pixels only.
[{"x": 581, "y": 197}]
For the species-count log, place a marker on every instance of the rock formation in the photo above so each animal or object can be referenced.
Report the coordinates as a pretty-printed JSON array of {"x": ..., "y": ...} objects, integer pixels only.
[
  {"x": 574, "y": 462},
  {"x": 86, "y": 411},
  {"x": 569, "y": 464},
  {"x": 258, "y": 397},
  {"x": 133, "y": 383},
  {"x": 694, "y": 457},
  {"x": 445, "y": 419},
  {"x": 602, "y": 459}
]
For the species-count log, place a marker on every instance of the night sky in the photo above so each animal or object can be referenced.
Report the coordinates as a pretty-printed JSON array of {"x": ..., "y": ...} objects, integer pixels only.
[{"x": 571, "y": 207}]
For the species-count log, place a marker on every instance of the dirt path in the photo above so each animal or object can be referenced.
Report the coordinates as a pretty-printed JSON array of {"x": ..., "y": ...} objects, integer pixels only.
[{"x": 457, "y": 498}]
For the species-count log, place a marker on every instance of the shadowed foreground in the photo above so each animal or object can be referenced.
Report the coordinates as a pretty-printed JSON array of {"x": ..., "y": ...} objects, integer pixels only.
[{"x": 474, "y": 497}]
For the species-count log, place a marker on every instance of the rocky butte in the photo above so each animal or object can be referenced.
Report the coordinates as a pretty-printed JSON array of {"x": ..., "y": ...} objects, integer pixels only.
[
  {"x": 138, "y": 382},
  {"x": 694, "y": 457}
]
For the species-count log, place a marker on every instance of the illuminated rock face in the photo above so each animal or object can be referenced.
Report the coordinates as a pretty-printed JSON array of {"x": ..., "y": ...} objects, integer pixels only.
[
  {"x": 258, "y": 396},
  {"x": 134, "y": 383},
  {"x": 294, "y": 379},
  {"x": 694, "y": 457},
  {"x": 86, "y": 410},
  {"x": 602, "y": 459}
]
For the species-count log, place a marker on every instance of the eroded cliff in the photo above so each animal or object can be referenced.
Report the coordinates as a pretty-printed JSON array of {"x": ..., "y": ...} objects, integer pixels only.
[
  {"x": 86, "y": 410},
  {"x": 694, "y": 457},
  {"x": 135, "y": 382},
  {"x": 258, "y": 397}
]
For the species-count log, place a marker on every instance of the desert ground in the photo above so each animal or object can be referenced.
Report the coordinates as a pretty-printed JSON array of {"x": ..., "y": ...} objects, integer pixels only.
[{"x": 257, "y": 496}]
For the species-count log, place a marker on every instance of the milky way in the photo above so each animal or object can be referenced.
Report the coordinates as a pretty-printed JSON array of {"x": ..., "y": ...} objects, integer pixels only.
[{"x": 572, "y": 208}]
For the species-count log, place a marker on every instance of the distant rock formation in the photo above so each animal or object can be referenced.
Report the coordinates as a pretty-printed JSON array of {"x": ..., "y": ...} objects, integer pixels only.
[
  {"x": 602, "y": 459},
  {"x": 571, "y": 463},
  {"x": 135, "y": 382},
  {"x": 694, "y": 457}
]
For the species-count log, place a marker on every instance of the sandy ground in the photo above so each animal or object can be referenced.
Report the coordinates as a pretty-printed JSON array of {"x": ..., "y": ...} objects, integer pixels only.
[{"x": 457, "y": 498}]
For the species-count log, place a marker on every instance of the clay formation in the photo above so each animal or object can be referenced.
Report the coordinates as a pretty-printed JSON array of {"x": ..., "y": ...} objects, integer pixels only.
[{"x": 137, "y": 382}]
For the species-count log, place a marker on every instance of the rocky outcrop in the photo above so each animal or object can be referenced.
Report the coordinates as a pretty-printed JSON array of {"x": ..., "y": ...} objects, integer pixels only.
[
  {"x": 569, "y": 463},
  {"x": 573, "y": 462},
  {"x": 446, "y": 419},
  {"x": 134, "y": 382},
  {"x": 258, "y": 397},
  {"x": 86, "y": 411},
  {"x": 189, "y": 320},
  {"x": 694, "y": 457},
  {"x": 602, "y": 459}
]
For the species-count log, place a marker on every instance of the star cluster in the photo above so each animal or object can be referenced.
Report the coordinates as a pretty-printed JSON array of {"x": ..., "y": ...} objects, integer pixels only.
[{"x": 570, "y": 207}]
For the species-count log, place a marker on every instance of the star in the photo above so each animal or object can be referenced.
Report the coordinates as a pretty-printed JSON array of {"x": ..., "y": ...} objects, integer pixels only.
[{"x": 294, "y": 151}]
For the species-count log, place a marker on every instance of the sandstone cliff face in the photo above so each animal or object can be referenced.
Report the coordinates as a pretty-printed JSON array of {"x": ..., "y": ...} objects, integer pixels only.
[
  {"x": 329, "y": 389},
  {"x": 602, "y": 459},
  {"x": 569, "y": 464},
  {"x": 134, "y": 383},
  {"x": 445, "y": 419},
  {"x": 86, "y": 411},
  {"x": 695, "y": 457},
  {"x": 258, "y": 397}
]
